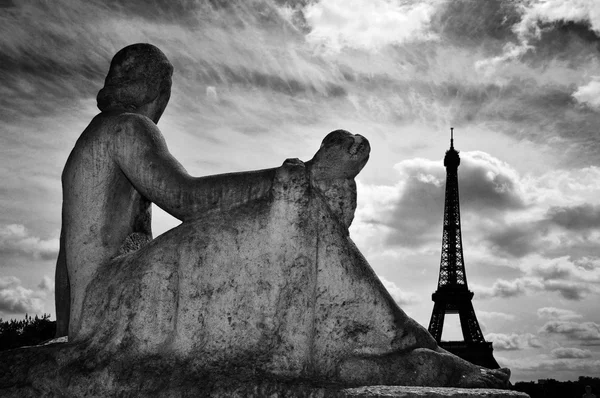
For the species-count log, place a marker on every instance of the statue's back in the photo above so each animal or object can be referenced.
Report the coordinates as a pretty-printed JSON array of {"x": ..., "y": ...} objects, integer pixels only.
[{"x": 101, "y": 208}]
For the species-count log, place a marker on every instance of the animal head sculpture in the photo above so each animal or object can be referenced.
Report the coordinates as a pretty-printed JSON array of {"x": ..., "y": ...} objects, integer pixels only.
[
  {"x": 342, "y": 155},
  {"x": 340, "y": 158}
]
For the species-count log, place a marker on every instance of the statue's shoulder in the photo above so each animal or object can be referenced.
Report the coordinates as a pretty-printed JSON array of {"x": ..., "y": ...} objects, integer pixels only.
[
  {"x": 119, "y": 133},
  {"x": 131, "y": 126},
  {"x": 114, "y": 122},
  {"x": 133, "y": 121}
]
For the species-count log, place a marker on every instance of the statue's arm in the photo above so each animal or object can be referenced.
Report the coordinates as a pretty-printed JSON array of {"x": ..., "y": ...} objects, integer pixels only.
[{"x": 141, "y": 153}]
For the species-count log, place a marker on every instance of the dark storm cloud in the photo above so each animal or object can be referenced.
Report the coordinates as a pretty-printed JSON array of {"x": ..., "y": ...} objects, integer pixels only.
[
  {"x": 575, "y": 218},
  {"x": 570, "y": 352},
  {"x": 574, "y": 291},
  {"x": 7, "y": 3},
  {"x": 521, "y": 106},
  {"x": 521, "y": 98},
  {"x": 516, "y": 240},
  {"x": 417, "y": 214},
  {"x": 587, "y": 333},
  {"x": 568, "y": 41},
  {"x": 529, "y": 96},
  {"x": 468, "y": 22},
  {"x": 578, "y": 247},
  {"x": 554, "y": 45},
  {"x": 525, "y": 110},
  {"x": 568, "y": 290},
  {"x": 520, "y": 239},
  {"x": 219, "y": 49},
  {"x": 487, "y": 187}
]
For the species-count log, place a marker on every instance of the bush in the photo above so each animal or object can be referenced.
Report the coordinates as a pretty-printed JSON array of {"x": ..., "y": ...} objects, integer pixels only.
[{"x": 27, "y": 332}]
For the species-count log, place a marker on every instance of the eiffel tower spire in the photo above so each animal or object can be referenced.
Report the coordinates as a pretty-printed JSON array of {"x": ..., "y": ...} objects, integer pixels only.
[{"x": 453, "y": 294}]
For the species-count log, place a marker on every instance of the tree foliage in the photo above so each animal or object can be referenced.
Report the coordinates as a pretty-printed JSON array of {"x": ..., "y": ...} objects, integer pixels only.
[
  {"x": 550, "y": 388},
  {"x": 26, "y": 332}
]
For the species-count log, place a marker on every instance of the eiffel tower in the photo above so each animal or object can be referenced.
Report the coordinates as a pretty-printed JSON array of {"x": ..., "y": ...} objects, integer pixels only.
[{"x": 452, "y": 295}]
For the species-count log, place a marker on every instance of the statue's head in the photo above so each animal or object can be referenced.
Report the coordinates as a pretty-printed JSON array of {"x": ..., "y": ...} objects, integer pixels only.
[
  {"x": 139, "y": 78},
  {"x": 341, "y": 155}
]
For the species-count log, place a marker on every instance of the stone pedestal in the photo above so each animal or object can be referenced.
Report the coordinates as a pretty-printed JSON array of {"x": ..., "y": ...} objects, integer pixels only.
[
  {"x": 60, "y": 370},
  {"x": 430, "y": 392}
]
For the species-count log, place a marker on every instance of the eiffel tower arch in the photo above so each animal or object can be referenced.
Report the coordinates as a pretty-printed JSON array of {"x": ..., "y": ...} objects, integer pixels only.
[{"x": 453, "y": 295}]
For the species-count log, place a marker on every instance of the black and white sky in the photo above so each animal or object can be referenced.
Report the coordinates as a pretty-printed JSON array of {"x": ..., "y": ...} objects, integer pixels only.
[{"x": 259, "y": 81}]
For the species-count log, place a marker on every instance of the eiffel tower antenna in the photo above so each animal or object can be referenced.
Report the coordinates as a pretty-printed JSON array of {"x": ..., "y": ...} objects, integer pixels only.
[{"x": 453, "y": 295}]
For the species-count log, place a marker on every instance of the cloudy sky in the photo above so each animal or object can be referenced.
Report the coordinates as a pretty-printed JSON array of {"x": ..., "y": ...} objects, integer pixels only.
[{"x": 260, "y": 81}]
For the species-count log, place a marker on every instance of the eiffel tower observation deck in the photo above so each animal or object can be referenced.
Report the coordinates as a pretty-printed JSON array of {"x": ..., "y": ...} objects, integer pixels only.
[{"x": 453, "y": 295}]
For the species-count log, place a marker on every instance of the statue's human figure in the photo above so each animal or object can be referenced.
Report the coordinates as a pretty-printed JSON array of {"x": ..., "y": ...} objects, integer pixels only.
[{"x": 118, "y": 167}]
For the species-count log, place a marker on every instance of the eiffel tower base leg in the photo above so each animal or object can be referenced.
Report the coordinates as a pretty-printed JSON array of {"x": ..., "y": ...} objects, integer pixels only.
[
  {"x": 473, "y": 348},
  {"x": 478, "y": 353}
]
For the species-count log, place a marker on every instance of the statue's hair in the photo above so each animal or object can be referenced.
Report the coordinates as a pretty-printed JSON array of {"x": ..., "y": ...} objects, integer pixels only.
[{"x": 137, "y": 75}]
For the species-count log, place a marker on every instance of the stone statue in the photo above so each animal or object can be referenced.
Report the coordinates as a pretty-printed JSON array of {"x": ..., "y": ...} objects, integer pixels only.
[
  {"x": 260, "y": 277},
  {"x": 119, "y": 166}
]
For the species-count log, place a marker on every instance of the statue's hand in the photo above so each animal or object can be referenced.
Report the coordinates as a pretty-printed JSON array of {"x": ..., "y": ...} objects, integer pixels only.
[
  {"x": 289, "y": 167},
  {"x": 291, "y": 180}
]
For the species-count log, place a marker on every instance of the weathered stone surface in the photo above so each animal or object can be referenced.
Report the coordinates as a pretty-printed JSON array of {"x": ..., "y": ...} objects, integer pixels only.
[{"x": 60, "y": 370}]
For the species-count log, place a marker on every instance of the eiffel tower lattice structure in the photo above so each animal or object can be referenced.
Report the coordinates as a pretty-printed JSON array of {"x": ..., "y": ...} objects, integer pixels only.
[{"x": 453, "y": 295}]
